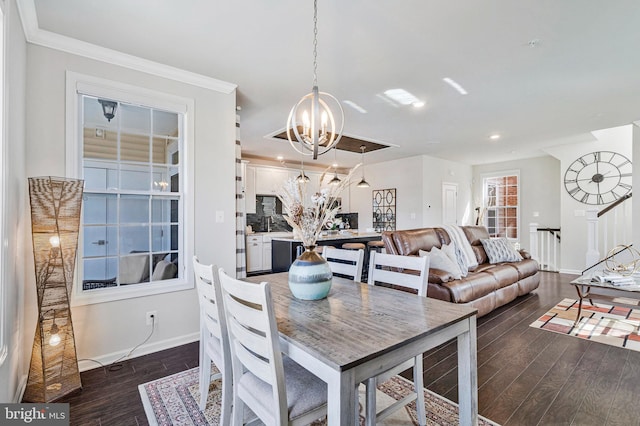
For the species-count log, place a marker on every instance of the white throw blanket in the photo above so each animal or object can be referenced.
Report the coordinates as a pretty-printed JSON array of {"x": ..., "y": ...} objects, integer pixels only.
[{"x": 457, "y": 236}]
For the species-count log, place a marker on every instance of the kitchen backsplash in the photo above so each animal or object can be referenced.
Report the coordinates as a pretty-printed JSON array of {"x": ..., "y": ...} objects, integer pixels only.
[{"x": 268, "y": 216}]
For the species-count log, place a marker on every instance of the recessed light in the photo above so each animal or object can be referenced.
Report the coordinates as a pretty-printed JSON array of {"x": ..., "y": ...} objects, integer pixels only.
[
  {"x": 451, "y": 82},
  {"x": 402, "y": 97},
  {"x": 494, "y": 137},
  {"x": 418, "y": 104},
  {"x": 279, "y": 158},
  {"x": 355, "y": 106}
]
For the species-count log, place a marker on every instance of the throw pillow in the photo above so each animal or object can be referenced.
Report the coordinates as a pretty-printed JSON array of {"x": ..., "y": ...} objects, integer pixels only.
[
  {"x": 439, "y": 260},
  {"x": 455, "y": 254},
  {"x": 500, "y": 250}
]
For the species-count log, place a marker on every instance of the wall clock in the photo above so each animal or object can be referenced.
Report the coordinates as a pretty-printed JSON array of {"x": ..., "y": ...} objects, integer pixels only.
[{"x": 599, "y": 177}]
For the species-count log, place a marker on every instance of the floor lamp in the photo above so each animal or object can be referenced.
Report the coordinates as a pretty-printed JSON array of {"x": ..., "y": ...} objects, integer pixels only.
[{"x": 55, "y": 220}]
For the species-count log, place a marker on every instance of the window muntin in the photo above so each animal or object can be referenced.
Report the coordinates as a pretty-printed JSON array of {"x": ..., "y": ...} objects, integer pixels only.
[
  {"x": 501, "y": 200},
  {"x": 133, "y": 201}
]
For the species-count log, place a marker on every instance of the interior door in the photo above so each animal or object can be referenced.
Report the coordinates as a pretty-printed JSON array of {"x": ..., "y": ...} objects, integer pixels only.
[{"x": 449, "y": 203}]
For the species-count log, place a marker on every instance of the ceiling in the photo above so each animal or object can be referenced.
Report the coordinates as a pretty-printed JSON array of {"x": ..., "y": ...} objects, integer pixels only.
[{"x": 538, "y": 73}]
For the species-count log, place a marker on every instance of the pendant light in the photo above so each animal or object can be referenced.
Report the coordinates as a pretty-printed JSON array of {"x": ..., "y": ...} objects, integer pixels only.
[
  {"x": 336, "y": 179},
  {"x": 314, "y": 131},
  {"x": 302, "y": 177},
  {"x": 363, "y": 183}
]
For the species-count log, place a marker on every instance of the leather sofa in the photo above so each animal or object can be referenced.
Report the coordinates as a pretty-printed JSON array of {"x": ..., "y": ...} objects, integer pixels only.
[{"x": 486, "y": 286}]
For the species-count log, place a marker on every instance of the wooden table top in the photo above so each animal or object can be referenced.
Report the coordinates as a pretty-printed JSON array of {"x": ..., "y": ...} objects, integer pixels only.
[{"x": 357, "y": 322}]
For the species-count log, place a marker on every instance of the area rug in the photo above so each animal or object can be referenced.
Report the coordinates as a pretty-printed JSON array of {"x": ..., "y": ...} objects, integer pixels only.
[
  {"x": 611, "y": 325},
  {"x": 173, "y": 401}
]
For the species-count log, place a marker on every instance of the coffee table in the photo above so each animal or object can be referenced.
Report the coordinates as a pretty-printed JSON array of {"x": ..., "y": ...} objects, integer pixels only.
[{"x": 588, "y": 289}]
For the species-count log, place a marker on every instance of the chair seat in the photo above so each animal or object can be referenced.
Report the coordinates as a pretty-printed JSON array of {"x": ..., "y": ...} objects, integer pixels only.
[
  {"x": 375, "y": 244},
  {"x": 305, "y": 392}
]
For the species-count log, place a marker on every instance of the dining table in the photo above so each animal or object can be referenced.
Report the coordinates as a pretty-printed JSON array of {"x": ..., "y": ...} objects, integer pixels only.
[{"x": 360, "y": 331}]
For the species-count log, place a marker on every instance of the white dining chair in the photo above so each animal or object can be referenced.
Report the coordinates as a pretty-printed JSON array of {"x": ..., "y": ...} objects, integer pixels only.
[
  {"x": 274, "y": 387},
  {"x": 410, "y": 272},
  {"x": 214, "y": 338},
  {"x": 345, "y": 262}
]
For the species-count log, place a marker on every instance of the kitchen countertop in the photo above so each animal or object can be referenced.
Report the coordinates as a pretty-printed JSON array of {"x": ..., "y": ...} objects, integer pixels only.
[{"x": 343, "y": 235}]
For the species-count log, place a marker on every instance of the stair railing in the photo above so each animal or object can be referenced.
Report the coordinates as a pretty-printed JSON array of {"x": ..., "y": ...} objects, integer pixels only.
[{"x": 545, "y": 247}]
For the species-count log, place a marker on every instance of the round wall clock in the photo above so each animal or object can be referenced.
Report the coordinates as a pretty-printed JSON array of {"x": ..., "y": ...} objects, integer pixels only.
[{"x": 599, "y": 177}]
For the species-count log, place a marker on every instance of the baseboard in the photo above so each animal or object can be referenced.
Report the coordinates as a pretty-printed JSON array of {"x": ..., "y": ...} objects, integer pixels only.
[
  {"x": 571, "y": 271},
  {"x": 89, "y": 364}
]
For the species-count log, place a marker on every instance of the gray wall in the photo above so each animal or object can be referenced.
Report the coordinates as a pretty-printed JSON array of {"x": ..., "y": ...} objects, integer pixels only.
[
  {"x": 14, "y": 226},
  {"x": 106, "y": 330},
  {"x": 539, "y": 191}
]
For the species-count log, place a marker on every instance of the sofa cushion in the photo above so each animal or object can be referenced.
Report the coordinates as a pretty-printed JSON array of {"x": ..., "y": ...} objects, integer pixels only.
[
  {"x": 504, "y": 274},
  {"x": 500, "y": 250},
  {"x": 525, "y": 268},
  {"x": 472, "y": 287},
  {"x": 438, "y": 259},
  {"x": 410, "y": 242}
]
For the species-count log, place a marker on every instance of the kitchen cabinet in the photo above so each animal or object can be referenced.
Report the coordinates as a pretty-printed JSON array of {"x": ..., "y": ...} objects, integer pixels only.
[
  {"x": 266, "y": 252},
  {"x": 254, "y": 253},
  {"x": 250, "y": 188},
  {"x": 268, "y": 180}
]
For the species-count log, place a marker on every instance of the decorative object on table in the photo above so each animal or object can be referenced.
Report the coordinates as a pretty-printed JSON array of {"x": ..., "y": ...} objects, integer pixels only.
[
  {"x": 315, "y": 130},
  {"x": 384, "y": 209},
  {"x": 310, "y": 275},
  {"x": 623, "y": 260},
  {"x": 600, "y": 322},
  {"x": 599, "y": 177},
  {"x": 173, "y": 400},
  {"x": 55, "y": 220}
]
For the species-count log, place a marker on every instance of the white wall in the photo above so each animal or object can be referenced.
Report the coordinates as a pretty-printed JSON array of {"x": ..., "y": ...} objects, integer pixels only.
[
  {"x": 636, "y": 182},
  {"x": 572, "y": 221},
  {"x": 539, "y": 191},
  {"x": 418, "y": 183},
  {"x": 107, "y": 330},
  {"x": 12, "y": 271}
]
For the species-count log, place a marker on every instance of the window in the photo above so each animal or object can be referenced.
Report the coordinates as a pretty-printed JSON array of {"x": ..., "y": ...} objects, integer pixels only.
[
  {"x": 501, "y": 201},
  {"x": 3, "y": 179},
  {"x": 132, "y": 237}
]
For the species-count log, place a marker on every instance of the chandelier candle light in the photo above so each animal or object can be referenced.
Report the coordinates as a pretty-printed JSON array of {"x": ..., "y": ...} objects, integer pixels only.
[
  {"x": 310, "y": 275},
  {"x": 315, "y": 132}
]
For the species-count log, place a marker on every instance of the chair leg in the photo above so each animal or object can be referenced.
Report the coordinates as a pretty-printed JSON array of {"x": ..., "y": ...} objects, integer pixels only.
[
  {"x": 205, "y": 380},
  {"x": 227, "y": 397},
  {"x": 238, "y": 410},
  {"x": 418, "y": 384},
  {"x": 370, "y": 396}
]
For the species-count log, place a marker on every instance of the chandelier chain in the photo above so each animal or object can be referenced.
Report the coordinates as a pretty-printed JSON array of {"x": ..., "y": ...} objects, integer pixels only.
[{"x": 315, "y": 42}]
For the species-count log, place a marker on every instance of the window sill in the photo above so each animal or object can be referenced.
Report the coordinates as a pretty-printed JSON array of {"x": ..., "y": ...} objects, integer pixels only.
[{"x": 112, "y": 294}]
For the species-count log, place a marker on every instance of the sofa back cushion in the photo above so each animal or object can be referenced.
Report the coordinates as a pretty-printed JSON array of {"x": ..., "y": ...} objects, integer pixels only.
[
  {"x": 410, "y": 242},
  {"x": 474, "y": 234}
]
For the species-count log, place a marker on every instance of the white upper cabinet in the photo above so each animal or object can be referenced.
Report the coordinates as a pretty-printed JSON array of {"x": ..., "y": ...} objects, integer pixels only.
[{"x": 268, "y": 179}]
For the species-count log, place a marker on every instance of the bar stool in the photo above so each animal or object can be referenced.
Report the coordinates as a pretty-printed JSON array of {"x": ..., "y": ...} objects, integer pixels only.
[
  {"x": 363, "y": 247},
  {"x": 376, "y": 245}
]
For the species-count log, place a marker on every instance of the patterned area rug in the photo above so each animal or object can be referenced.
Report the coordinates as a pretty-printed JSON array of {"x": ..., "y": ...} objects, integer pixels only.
[
  {"x": 612, "y": 325},
  {"x": 173, "y": 401}
]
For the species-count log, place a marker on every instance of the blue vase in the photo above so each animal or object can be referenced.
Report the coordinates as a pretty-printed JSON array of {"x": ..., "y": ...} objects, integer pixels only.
[{"x": 310, "y": 276}]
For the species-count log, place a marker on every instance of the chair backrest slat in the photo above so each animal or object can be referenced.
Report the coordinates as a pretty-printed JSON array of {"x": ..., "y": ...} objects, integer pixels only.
[
  {"x": 250, "y": 313},
  {"x": 404, "y": 271},
  {"x": 345, "y": 262}
]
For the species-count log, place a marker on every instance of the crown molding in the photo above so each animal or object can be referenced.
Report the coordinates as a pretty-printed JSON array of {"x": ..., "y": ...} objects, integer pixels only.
[{"x": 35, "y": 35}]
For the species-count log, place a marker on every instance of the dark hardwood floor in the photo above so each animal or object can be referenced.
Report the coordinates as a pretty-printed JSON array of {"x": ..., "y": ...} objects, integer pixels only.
[{"x": 525, "y": 376}]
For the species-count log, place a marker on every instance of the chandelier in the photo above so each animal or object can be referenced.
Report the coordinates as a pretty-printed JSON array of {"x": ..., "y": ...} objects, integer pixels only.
[{"x": 311, "y": 126}]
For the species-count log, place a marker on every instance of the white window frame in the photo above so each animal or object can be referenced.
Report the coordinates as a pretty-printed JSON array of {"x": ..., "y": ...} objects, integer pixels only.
[
  {"x": 80, "y": 84},
  {"x": 501, "y": 174},
  {"x": 4, "y": 262}
]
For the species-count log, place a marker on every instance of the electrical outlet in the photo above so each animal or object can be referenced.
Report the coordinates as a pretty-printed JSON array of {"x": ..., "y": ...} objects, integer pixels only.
[{"x": 152, "y": 317}]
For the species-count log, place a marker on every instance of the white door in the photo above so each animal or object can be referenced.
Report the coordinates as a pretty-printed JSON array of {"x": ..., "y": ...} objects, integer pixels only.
[{"x": 449, "y": 203}]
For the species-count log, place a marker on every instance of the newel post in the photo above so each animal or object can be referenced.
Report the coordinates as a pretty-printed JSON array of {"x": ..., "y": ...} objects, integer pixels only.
[
  {"x": 593, "y": 255},
  {"x": 533, "y": 241}
]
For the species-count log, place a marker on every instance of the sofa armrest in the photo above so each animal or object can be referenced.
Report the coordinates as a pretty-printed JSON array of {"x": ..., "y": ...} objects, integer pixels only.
[
  {"x": 525, "y": 254},
  {"x": 438, "y": 276}
]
